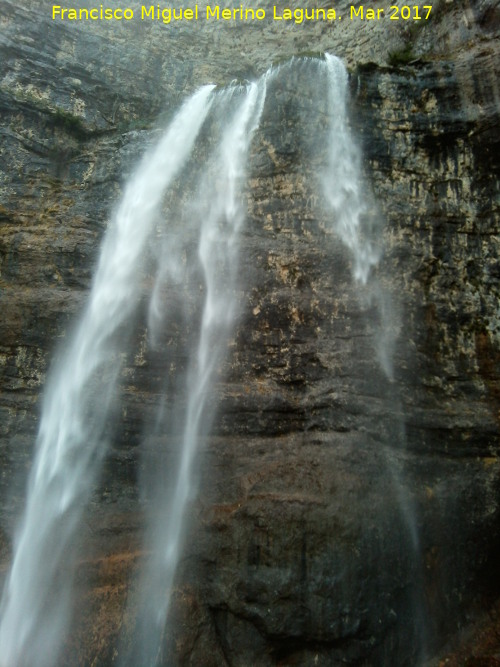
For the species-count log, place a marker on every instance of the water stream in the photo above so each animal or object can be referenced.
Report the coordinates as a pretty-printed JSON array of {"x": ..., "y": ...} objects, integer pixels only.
[
  {"x": 71, "y": 443},
  {"x": 70, "y": 447},
  {"x": 217, "y": 217}
]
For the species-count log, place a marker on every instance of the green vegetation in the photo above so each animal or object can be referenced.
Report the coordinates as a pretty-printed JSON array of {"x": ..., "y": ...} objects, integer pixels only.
[
  {"x": 402, "y": 56},
  {"x": 135, "y": 124},
  {"x": 70, "y": 123}
]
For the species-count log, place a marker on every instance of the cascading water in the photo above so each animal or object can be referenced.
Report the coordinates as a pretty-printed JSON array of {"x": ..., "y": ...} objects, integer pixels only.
[
  {"x": 342, "y": 184},
  {"x": 70, "y": 445},
  {"x": 218, "y": 216},
  {"x": 347, "y": 197}
]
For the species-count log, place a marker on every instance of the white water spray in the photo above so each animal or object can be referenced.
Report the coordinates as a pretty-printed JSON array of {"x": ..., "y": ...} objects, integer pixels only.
[
  {"x": 343, "y": 189},
  {"x": 70, "y": 445},
  {"x": 342, "y": 183},
  {"x": 69, "y": 448},
  {"x": 219, "y": 216},
  {"x": 354, "y": 211}
]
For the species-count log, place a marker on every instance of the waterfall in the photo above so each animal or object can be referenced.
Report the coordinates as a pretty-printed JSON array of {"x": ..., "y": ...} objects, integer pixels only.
[
  {"x": 70, "y": 447},
  {"x": 353, "y": 212},
  {"x": 71, "y": 443},
  {"x": 342, "y": 183},
  {"x": 218, "y": 218},
  {"x": 354, "y": 219}
]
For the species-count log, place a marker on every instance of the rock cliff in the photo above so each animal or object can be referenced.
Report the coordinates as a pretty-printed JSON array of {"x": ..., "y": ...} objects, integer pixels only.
[{"x": 345, "y": 515}]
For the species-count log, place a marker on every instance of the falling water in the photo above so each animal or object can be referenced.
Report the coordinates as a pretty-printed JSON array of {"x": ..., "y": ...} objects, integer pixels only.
[
  {"x": 70, "y": 446},
  {"x": 349, "y": 200},
  {"x": 343, "y": 185},
  {"x": 353, "y": 211},
  {"x": 218, "y": 216}
]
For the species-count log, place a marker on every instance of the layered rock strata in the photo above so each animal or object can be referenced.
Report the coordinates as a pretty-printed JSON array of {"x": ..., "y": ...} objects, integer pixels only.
[{"x": 343, "y": 516}]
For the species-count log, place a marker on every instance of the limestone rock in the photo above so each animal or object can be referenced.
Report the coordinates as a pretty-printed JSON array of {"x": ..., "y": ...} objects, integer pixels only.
[{"x": 343, "y": 517}]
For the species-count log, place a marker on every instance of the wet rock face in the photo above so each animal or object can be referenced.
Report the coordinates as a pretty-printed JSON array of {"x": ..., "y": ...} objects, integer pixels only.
[
  {"x": 354, "y": 534},
  {"x": 343, "y": 516},
  {"x": 447, "y": 182},
  {"x": 442, "y": 252}
]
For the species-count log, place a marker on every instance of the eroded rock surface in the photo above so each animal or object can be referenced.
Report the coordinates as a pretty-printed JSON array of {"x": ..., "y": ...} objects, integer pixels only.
[{"x": 344, "y": 517}]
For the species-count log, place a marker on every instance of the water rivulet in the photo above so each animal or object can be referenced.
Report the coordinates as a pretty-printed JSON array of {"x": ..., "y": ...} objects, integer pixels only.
[{"x": 178, "y": 229}]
